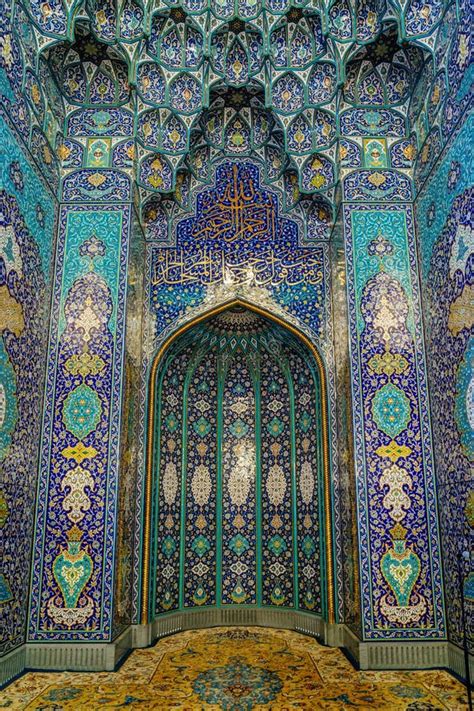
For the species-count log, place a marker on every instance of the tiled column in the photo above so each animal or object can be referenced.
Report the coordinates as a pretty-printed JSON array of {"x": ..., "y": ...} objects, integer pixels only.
[
  {"x": 73, "y": 573},
  {"x": 400, "y": 570}
]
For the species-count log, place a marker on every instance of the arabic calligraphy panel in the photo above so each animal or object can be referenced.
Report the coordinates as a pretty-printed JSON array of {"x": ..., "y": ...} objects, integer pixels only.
[{"x": 237, "y": 238}]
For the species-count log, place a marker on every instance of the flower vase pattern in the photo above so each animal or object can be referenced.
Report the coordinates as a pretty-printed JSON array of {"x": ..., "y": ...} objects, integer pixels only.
[
  {"x": 400, "y": 566},
  {"x": 72, "y": 570}
]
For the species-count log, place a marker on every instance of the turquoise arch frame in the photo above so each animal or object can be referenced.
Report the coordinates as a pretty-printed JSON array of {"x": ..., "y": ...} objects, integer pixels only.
[{"x": 146, "y": 596}]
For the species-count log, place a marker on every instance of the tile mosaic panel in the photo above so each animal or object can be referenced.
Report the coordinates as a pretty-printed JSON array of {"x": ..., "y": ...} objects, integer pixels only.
[
  {"x": 240, "y": 433},
  {"x": 128, "y": 473},
  {"x": 210, "y": 264},
  {"x": 277, "y": 462},
  {"x": 401, "y": 583},
  {"x": 350, "y": 555},
  {"x": 200, "y": 565},
  {"x": 27, "y": 225},
  {"x": 72, "y": 584},
  {"x": 311, "y": 591},
  {"x": 237, "y": 237},
  {"x": 298, "y": 63},
  {"x": 29, "y": 95},
  {"x": 445, "y": 209},
  {"x": 239, "y": 485},
  {"x": 168, "y": 521}
]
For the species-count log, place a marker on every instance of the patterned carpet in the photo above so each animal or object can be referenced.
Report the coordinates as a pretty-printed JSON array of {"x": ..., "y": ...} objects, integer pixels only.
[{"x": 237, "y": 669}]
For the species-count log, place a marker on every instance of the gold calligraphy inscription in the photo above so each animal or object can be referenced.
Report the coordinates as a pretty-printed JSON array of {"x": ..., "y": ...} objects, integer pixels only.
[
  {"x": 268, "y": 267},
  {"x": 243, "y": 212}
]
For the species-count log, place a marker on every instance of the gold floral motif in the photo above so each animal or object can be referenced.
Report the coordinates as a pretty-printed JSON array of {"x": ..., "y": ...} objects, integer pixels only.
[
  {"x": 96, "y": 179},
  {"x": 6, "y": 50},
  {"x": 377, "y": 179},
  {"x": 276, "y": 522},
  {"x": 79, "y": 452},
  {"x": 4, "y": 510},
  {"x": 425, "y": 152},
  {"x": 469, "y": 509},
  {"x": 463, "y": 52},
  {"x": 409, "y": 151},
  {"x": 201, "y": 522},
  {"x": 342, "y": 152},
  {"x": 85, "y": 364},
  {"x": 393, "y": 451},
  {"x": 11, "y": 313},
  {"x": 63, "y": 152},
  {"x": 47, "y": 155},
  {"x": 388, "y": 364},
  {"x": 461, "y": 311}
]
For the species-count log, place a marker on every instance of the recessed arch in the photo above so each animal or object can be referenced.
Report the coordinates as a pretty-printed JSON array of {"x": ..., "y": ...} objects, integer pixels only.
[{"x": 237, "y": 302}]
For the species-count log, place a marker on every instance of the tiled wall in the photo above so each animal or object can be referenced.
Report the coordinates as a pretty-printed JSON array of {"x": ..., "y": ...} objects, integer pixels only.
[
  {"x": 27, "y": 226},
  {"x": 445, "y": 212},
  {"x": 238, "y": 415},
  {"x": 73, "y": 564},
  {"x": 400, "y": 563},
  {"x": 211, "y": 263},
  {"x": 443, "y": 102}
]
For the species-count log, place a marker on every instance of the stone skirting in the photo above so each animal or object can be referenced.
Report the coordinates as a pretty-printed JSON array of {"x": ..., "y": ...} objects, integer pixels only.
[
  {"x": 12, "y": 664},
  {"x": 235, "y": 616},
  {"x": 456, "y": 662},
  {"x": 76, "y": 656},
  {"x": 105, "y": 657}
]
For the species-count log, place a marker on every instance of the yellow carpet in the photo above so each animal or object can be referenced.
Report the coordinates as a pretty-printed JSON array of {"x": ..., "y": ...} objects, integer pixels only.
[{"x": 237, "y": 669}]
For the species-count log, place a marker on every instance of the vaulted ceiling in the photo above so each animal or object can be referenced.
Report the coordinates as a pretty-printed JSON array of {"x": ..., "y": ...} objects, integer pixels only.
[{"x": 275, "y": 80}]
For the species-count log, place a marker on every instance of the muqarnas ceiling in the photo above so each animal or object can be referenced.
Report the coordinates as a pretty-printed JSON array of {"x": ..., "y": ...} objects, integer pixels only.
[{"x": 285, "y": 83}]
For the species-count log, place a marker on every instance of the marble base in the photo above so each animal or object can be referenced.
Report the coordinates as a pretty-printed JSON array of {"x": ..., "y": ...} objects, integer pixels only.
[
  {"x": 12, "y": 664},
  {"x": 104, "y": 657}
]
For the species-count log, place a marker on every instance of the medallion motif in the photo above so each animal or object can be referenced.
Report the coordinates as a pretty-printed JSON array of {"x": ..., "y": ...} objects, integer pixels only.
[
  {"x": 307, "y": 482},
  {"x": 82, "y": 410},
  {"x": 170, "y": 483},
  {"x": 201, "y": 485},
  {"x": 391, "y": 410}
]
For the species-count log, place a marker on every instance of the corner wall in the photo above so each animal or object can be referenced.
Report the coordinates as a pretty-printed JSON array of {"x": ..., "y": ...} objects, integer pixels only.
[
  {"x": 444, "y": 208},
  {"x": 27, "y": 225},
  {"x": 31, "y": 112}
]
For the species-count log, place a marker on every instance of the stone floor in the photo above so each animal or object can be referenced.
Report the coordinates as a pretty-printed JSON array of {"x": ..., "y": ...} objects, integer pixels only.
[{"x": 237, "y": 669}]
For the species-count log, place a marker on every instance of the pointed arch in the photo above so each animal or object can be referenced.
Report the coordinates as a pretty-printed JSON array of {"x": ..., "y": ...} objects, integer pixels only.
[{"x": 327, "y": 494}]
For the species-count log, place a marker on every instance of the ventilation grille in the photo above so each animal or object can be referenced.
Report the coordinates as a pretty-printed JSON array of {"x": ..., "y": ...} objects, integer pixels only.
[
  {"x": 72, "y": 656},
  {"x": 11, "y": 665},
  {"x": 234, "y": 617},
  {"x": 407, "y": 656}
]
